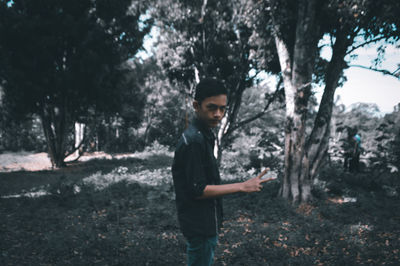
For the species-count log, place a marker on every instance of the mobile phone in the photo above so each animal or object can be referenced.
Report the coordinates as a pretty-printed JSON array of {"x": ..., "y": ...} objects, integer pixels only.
[{"x": 270, "y": 175}]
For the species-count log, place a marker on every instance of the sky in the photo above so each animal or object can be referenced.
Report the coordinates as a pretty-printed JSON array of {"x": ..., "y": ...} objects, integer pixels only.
[
  {"x": 363, "y": 85},
  {"x": 369, "y": 86}
]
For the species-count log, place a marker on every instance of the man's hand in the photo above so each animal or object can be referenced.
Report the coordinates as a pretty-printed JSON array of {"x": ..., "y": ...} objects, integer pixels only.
[
  {"x": 251, "y": 185},
  {"x": 255, "y": 184}
]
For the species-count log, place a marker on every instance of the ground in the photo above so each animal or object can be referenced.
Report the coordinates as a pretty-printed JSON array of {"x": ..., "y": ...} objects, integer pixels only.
[{"x": 114, "y": 211}]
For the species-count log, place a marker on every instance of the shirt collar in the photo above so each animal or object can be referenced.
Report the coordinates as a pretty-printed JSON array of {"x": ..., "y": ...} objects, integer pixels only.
[{"x": 207, "y": 132}]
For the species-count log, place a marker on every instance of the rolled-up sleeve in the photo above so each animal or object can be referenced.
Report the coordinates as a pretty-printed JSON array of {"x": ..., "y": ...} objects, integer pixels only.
[{"x": 195, "y": 179}]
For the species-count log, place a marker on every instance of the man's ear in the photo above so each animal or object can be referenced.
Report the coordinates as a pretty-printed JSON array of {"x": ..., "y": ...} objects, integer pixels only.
[{"x": 196, "y": 105}]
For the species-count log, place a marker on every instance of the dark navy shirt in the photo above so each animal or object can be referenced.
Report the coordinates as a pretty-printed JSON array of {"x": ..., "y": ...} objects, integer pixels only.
[{"x": 194, "y": 168}]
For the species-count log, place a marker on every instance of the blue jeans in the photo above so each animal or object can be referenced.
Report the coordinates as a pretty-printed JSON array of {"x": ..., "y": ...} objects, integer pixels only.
[{"x": 200, "y": 250}]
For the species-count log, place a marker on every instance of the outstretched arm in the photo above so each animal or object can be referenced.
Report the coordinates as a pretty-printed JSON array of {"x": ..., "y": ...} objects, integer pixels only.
[{"x": 251, "y": 185}]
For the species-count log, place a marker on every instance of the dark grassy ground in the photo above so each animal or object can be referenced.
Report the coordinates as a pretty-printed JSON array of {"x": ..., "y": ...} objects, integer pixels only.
[{"x": 133, "y": 224}]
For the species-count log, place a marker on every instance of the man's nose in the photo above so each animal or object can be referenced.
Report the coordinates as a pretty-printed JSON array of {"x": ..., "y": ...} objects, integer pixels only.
[{"x": 218, "y": 113}]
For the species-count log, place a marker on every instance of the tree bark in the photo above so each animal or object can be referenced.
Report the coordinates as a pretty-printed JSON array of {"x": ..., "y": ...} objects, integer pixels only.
[
  {"x": 54, "y": 128},
  {"x": 79, "y": 133},
  {"x": 318, "y": 142},
  {"x": 229, "y": 120},
  {"x": 303, "y": 159},
  {"x": 297, "y": 76}
]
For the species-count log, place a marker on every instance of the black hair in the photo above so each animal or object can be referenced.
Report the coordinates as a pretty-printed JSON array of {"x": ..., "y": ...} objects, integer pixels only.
[{"x": 209, "y": 87}]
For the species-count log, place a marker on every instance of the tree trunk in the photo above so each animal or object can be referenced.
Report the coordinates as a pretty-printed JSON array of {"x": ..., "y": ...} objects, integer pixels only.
[
  {"x": 79, "y": 133},
  {"x": 54, "y": 128},
  {"x": 303, "y": 159},
  {"x": 230, "y": 119},
  {"x": 318, "y": 142},
  {"x": 297, "y": 75}
]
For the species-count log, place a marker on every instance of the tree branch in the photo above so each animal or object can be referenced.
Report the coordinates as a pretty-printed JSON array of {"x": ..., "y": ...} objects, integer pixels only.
[
  {"x": 395, "y": 74},
  {"x": 254, "y": 76},
  {"x": 260, "y": 114},
  {"x": 353, "y": 48},
  {"x": 203, "y": 11}
]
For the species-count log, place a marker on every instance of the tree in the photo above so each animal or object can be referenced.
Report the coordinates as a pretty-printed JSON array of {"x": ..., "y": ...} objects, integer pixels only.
[
  {"x": 212, "y": 39},
  {"x": 63, "y": 60},
  {"x": 297, "y": 28},
  {"x": 165, "y": 109},
  {"x": 362, "y": 116},
  {"x": 387, "y": 141}
]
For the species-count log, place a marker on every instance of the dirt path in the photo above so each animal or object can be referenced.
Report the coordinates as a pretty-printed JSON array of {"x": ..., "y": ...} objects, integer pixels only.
[
  {"x": 17, "y": 161},
  {"x": 29, "y": 161}
]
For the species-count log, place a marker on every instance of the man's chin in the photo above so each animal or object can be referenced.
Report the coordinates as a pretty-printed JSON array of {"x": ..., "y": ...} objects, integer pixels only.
[{"x": 213, "y": 124}]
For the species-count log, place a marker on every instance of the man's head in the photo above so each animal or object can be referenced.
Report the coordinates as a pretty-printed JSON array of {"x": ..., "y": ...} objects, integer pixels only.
[{"x": 210, "y": 101}]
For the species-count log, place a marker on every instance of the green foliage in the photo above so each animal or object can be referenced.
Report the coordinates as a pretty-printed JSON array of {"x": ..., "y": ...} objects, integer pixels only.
[
  {"x": 63, "y": 60},
  {"x": 166, "y": 114},
  {"x": 21, "y": 135},
  {"x": 257, "y": 144},
  {"x": 386, "y": 137},
  {"x": 213, "y": 39},
  {"x": 335, "y": 182},
  {"x": 379, "y": 135},
  {"x": 65, "y": 44}
]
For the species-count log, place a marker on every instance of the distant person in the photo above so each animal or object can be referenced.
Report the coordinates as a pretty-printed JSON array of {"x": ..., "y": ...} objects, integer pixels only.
[
  {"x": 196, "y": 176},
  {"x": 352, "y": 151},
  {"x": 355, "y": 161}
]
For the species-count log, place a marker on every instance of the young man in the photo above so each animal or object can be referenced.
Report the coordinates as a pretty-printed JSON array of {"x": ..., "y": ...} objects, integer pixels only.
[{"x": 196, "y": 177}]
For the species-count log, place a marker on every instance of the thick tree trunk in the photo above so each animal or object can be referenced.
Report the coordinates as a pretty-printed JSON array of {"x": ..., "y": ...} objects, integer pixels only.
[{"x": 297, "y": 73}]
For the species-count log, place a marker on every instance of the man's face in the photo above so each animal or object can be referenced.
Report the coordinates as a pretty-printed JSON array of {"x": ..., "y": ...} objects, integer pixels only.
[{"x": 211, "y": 110}]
